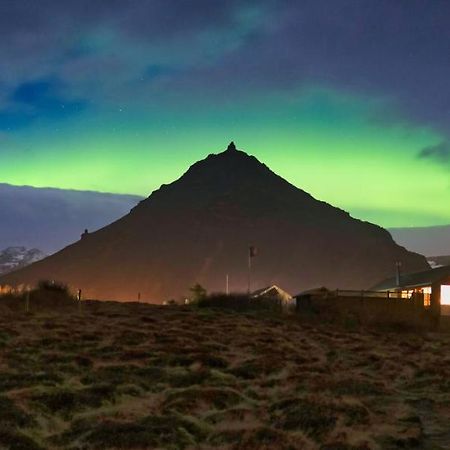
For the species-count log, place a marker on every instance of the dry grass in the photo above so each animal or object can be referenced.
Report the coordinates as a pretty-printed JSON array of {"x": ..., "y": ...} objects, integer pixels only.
[{"x": 115, "y": 376}]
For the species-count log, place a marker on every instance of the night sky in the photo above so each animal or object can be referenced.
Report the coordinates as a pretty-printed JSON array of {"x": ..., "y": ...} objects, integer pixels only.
[{"x": 347, "y": 99}]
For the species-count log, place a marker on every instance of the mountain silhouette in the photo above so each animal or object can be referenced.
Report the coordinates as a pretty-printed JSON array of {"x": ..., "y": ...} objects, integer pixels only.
[{"x": 199, "y": 228}]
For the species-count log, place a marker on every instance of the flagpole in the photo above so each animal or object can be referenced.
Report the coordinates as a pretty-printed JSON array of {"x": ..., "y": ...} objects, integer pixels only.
[
  {"x": 249, "y": 270},
  {"x": 251, "y": 253}
]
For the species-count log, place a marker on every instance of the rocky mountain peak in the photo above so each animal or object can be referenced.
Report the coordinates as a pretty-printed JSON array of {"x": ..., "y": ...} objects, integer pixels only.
[{"x": 198, "y": 228}]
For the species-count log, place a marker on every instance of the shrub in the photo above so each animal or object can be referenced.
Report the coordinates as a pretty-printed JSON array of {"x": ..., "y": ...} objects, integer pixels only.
[
  {"x": 54, "y": 286},
  {"x": 238, "y": 302},
  {"x": 46, "y": 295},
  {"x": 50, "y": 294},
  {"x": 198, "y": 292}
]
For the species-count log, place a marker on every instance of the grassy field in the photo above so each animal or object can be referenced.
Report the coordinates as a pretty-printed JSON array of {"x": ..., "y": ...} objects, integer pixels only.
[{"x": 146, "y": 377}]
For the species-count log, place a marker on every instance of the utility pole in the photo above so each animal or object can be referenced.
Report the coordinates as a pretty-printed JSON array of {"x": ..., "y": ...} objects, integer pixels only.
[
  {"x": 398, "y": 267},
  {"x": 249, "y": 271},
  {"x": 227, "y": 290},
  {"x": 252, "y": 252}
]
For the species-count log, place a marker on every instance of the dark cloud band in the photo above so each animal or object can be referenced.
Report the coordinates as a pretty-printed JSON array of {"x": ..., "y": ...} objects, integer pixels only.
[
  {"x": 439, "y": 152},
  {"x": 117, "y": 49}
]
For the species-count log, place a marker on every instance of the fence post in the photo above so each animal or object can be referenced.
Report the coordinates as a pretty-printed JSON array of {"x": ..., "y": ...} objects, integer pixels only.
[{"x": 27, "y": 302}]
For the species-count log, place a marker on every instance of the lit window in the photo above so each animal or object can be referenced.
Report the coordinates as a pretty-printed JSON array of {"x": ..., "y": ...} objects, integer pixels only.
[
  {"x": 427, "y": 297},
  {"x": 445, "y": 294}
]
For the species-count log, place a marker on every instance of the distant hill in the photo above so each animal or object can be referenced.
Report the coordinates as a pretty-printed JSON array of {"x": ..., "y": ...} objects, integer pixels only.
[
  {"x": 437, "y": 261},
  {"x": 50, "y": 219},
  {"x": 428, "y": 241},
  {"x": 198, "y": 229}
]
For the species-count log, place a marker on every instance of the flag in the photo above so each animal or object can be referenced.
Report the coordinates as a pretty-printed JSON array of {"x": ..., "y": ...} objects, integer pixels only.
[{"x": 252, "y": 251}]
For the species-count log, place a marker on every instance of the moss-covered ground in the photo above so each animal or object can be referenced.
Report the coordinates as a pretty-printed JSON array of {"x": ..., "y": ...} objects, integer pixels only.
[{"x": 119, "y": 376}]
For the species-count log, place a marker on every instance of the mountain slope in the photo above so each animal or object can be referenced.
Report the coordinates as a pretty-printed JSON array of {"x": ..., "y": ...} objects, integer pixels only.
[
  {"x": 198, "y": 228},
  {"x": 49, "y": 219}
]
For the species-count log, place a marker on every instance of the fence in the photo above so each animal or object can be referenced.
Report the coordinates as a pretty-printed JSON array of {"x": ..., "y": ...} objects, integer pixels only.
[
  {"x": 370, "y": 294},
  {"x": 366, "y": 307}
]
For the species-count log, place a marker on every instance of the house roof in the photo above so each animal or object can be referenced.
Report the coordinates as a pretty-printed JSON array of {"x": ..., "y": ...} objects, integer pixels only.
[
  {"x": 275, "y": 290},
  {"x": 412, "y": 280}
]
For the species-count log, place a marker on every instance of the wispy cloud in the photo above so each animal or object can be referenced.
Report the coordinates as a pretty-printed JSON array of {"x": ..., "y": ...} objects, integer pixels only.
[
  {"x": 116, "y": 50},
  {"x": 439, "y": 152}
]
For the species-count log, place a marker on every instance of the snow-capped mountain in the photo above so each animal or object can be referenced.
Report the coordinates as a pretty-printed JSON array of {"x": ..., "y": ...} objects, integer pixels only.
[
  {"x": 12, "y": 258},
  {"x": 439, "y": 261}
]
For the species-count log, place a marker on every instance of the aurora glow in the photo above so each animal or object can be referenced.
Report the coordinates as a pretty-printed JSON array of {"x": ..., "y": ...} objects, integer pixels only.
[{"x": 348, "y": 100}]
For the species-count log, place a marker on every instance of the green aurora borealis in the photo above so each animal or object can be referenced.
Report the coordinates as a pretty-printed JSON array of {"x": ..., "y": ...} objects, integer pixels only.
[
  {"x": 98, "y": 99},
  {"x": 331, "y": 146}
]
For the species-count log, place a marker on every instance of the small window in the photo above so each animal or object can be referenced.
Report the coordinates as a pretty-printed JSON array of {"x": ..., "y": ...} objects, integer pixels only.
[
  {"x": 427, "y": 297},
  {"x": 445, "y": 294}
]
